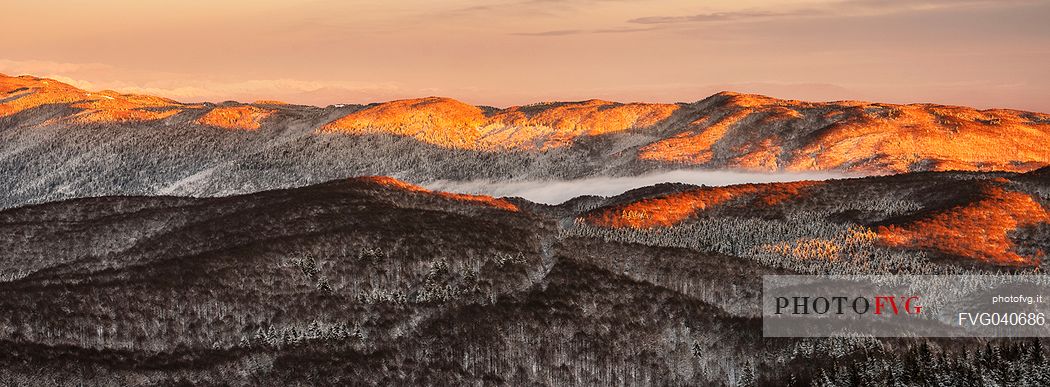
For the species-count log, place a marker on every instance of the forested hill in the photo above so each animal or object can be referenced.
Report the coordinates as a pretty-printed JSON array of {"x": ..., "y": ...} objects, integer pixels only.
[
  {"x": 373, "y": 281},
  {"x": 58, "y": 141}
]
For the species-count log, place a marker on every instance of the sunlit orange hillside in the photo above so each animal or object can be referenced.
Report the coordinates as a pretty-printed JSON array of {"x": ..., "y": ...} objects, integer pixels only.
[
  {"x": 440, "y": 121},
  {"x": 558, "y": 124},
  {"x": 485, "y": 200},
  {"x": 235, "y": 117},
  {"x": 25, "y": 92},
  {"x": 758, "y": 132},
  {"x": 979, "y": 229},
  {"x": 982, "y": 218},
  {"x": 671, "y": 209}
]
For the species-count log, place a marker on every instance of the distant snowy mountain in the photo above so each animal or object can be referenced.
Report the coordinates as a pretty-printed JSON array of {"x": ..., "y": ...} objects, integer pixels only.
[{"x": 57, "y": 141}]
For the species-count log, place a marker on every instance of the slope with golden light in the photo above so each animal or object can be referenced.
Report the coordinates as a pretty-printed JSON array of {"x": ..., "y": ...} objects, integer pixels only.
[
  {"x": 484, "y": 200},
  {"x": 978, "y": 224},
  {"x": 244, "y": 117},
  {"x": 450, "y": 123},
  {"x": 674, "y": 208},
  {"x": 946, "y": 137},
  {"x": 438, "y": 121},
  {"x": 551, "y": 125},
  {"x": 116, "y": 107},
  {"x": 26, "y": 92},
  {"x": 757, "y": 132},
  {"x": 979, "y": 230},
  {"x": 694, "y": 146}
]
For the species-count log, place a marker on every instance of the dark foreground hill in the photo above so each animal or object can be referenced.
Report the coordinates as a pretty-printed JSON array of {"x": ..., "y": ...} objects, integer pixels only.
[
  {"x": 371, "y": 281},
  {"x": 59, "y": 142}
]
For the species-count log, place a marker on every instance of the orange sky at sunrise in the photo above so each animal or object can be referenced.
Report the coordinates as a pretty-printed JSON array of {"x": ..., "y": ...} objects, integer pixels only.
[{"x": 980, "y": 53}]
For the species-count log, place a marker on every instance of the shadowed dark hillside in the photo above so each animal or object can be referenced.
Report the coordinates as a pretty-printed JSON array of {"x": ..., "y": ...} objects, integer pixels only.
[
  {"x": 373, "y": 281},
  {"x": 279, "y": 285}
]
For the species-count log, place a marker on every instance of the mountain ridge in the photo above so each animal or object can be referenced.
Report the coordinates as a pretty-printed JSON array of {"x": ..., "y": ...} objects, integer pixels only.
[
  {"x": 61, "y": 142},
  {"x": 750, "y": 99}
]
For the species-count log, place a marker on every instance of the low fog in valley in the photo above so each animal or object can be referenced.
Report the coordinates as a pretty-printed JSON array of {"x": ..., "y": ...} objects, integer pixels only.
[{"x": 558, "y": 191}]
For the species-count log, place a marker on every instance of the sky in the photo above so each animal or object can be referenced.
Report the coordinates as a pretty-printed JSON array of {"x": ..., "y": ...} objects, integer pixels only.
[{"x": 981, "y": 53}]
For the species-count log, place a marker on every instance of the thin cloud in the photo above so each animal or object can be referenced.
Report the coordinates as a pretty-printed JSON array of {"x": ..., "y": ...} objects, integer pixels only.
[
  {"x": 917, "y": 4},
  {"x": 621, "y": 30},
  {"x": 185, "y": 88},
  {"x": 579, "y": 32},
  {"x": 551, "y": 33},
  {"x": 844, "y": 8},
  {"x": 531, "y": 7},
  {"x": 558, "y": 191},
  {"x": 712, "y": 17},
  {"x": 37, "y": 67}
]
